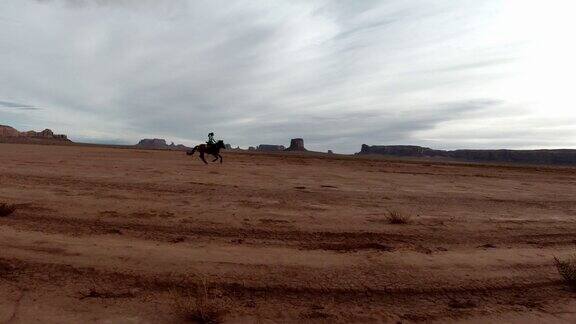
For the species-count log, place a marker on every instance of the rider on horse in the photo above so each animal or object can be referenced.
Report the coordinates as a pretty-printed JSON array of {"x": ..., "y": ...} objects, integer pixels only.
[
  {"x": 211, "y": 147},
  {"x": 211, "y": 140}
]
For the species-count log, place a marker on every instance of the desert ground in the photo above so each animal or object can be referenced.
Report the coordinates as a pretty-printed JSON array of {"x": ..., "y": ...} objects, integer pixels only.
[{"x": 107, "y": 235}]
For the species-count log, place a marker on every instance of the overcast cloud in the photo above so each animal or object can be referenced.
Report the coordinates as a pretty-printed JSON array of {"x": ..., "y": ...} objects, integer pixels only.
[{"x": 443, "y": 73}]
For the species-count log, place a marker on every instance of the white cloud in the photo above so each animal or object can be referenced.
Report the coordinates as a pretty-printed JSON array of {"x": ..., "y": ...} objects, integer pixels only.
[{"x": 338, "y": 73}]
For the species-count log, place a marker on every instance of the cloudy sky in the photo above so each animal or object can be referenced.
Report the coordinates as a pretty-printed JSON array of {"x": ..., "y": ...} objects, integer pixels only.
[{"x": 339, "y": 73}]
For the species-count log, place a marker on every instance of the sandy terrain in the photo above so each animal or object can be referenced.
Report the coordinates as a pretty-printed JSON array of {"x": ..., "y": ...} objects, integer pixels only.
[{"x": 119, "y": 236}]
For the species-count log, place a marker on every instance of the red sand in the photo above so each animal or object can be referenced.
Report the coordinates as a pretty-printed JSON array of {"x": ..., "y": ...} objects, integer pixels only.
[{"x": 118, "y": 235}]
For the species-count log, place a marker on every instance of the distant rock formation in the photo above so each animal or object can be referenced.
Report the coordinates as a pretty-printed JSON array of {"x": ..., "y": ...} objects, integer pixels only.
[
  {"x": 159, "y": 144},
  {"x": 330, "y": 152},
  {"x": 270, "y": 148},
  {"x": 10, "y": 134},
  {"x": 551, "y": 157},
  {"x": 178, "y": 147},
  {"x": 398, "y": 150},
  {"x": 156, "y": 143},
  {"x": 251, "y": 148},
  {"x": 296, "y": 144},
  {"x": 227, "y": 146},
  {"x": 7, "y": 131}
]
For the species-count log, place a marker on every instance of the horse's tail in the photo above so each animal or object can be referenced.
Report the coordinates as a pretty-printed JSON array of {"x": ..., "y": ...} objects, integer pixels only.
[{"x": 191, "y": 152}]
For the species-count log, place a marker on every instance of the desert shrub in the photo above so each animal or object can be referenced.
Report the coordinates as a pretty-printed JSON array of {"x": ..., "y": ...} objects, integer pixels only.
[
  {"x": 567, "y": 269},
  {"x": 199, "y": 308},
  {"x": 6, "y": 209},
  {"x": 4, "y": 268},
  {"x": 397, "y": 217}
]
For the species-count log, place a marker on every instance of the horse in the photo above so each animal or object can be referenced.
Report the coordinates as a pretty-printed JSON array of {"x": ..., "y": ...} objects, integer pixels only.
[{"x": 213, "y": 149}]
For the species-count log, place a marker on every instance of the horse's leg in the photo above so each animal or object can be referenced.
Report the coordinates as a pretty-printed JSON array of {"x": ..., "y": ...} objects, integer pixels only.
[
  {"x": 202, "y": 157},
  {"x": 220, "y": 158},
  {"x": 216, "y": 157}
]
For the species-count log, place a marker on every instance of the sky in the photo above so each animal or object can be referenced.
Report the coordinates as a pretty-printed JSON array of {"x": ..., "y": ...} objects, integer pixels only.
[{"x": 445, "y": 74}]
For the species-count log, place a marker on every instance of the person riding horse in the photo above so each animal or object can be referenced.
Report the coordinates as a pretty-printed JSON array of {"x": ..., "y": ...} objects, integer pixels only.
[
  {"x": 211, "y": 140},
  {"x": 211, "y": 147}
]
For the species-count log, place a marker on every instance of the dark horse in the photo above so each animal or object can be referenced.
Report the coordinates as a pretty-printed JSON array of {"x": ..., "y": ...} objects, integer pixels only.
[{"x": 213, "y": 149}]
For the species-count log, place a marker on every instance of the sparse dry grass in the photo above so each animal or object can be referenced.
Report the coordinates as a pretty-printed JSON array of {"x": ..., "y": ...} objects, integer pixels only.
[
  {"x": 6, "y": 209},
  {"x": 199, "y": 308},
  {"x": 567, "y": 269},
  {"x": 397, "y": 217},
  {"x": 4, "y": 268}
]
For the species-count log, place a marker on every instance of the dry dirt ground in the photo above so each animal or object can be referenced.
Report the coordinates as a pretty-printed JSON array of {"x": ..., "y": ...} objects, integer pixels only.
[{"x": 123, "y": 235}]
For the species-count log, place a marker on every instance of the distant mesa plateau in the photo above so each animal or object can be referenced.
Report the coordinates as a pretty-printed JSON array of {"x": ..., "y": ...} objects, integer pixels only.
[
  {"x": 565, "y": 157},
  {"x": 11, "y": 135},
  {"x": 270, "y": 148},
  {"x": 159, "y": 144},
  {"x": 296, "y": 144},
  {"x": 548, "y": 157}
]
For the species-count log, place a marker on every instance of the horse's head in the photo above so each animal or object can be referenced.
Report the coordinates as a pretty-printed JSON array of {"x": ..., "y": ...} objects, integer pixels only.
[{"x": 220, "y": 144}]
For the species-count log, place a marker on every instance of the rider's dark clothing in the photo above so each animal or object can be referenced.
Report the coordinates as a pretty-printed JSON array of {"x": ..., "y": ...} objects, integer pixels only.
[{"x": 211, "y": 140}]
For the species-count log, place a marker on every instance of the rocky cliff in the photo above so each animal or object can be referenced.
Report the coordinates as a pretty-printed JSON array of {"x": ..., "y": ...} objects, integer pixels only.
[
  {"x": 11, "y": 135},
  {"x": 7, "y": 131},
  {"x": 296, "y": 144},
  {"x": 399, "y": 150},
  {"x": 270, "y": 148},
  {"x": 552, "y": 157},
  {"x": 159, "y": 144}
]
